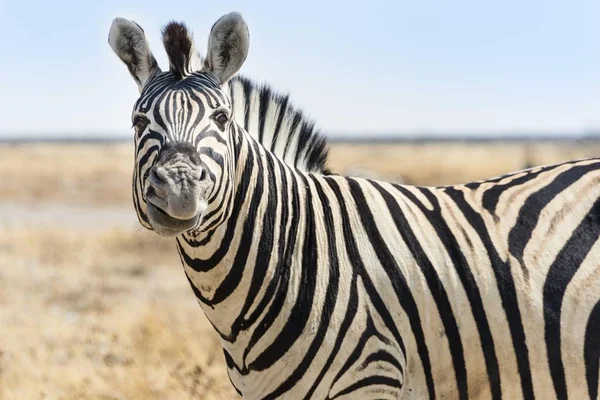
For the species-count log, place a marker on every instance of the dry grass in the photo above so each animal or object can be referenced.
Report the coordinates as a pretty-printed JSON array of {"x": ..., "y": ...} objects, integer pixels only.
[
  {"x": 432, "y": 164},
  {"x": 77, "y": 174},
  {"x": 100, "y": 310},
  {"x": 101, "y": 315}
]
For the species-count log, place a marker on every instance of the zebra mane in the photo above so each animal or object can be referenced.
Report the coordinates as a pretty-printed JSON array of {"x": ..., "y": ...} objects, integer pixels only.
[
  {"x": 180, "y": 48},
  {"x": 270, "y": 117}
]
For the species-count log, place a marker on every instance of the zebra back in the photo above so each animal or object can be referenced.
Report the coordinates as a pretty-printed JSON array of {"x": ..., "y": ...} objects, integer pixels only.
[{"x": 270, "y": 117}]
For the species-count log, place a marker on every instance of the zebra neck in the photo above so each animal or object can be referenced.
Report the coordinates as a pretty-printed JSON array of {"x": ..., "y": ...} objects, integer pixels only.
[{"x": 238, "y": 265}]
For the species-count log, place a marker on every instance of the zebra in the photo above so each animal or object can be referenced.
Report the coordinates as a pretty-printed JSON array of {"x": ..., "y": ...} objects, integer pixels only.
[{"x": 331, "y": 287}]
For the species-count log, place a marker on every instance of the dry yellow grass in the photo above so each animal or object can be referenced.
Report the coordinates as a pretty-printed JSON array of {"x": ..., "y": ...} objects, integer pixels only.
[
  {"x": 76, "y": 174},
  {"x": 431, "y": 164},
  {"x": 92, "y": 306},
  {"x": 101, "y": 315}
]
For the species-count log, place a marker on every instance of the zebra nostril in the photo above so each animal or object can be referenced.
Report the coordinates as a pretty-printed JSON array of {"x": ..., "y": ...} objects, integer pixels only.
[
  {"x": 202, "y": 174},
  {"x": 155, "y": 179},
  {"x": 150, "y": 192}
]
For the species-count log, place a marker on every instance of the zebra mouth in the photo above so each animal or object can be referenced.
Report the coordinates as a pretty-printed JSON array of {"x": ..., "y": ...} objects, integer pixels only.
[{"x": 166, "y": 225}]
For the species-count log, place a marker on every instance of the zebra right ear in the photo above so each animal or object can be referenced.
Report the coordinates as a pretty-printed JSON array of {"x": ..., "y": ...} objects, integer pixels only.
[
  {"x": 228, "y": 44},
  {"x": 128, "y": 41}
]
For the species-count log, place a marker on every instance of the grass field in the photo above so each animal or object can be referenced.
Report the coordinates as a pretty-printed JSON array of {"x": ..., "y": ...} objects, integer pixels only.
[{"x": 92, "y": 306}]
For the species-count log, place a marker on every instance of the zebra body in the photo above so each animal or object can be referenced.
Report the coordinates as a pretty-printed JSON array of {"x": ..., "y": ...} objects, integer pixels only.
[
  {"x": 325, "y": 287},
  {"x": 439, "y": 290}
]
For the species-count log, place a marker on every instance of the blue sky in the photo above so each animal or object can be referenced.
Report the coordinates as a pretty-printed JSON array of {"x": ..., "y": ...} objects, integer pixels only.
[{"x": 358, "y": 68}]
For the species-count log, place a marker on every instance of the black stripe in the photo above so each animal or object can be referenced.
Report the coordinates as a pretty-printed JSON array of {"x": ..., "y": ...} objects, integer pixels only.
[
  {"x": 344, "y": 327},
  {"x": 282, "y": 112},
  {"x": 396, "y": 277},
  {"x": 369, "y": 381},
  {"x": 292, "y": 129},
  {"x": 530, "y": 212},
  {"x": 265, "y": 247},
  {"x": 198, "y": 117},
  {"x": 243, "y": 322},
  {"x": 368, "y": 332},
  {"x": 591, "y": 351},
  {"x": 329, "y": 302},
  {"x": 561, "y": 272},
  {"x": 151, "y": 135},
  {"x": 246, "y": 84},
  {"x": 281, "y": 275},
  {"x": 230, "y": 366},
  {"x": 234, "y": 276},
  {"x": 137, "y": 201},
  {"x": 436, "y": 288},
  {"x": 300, "y": 312},
  {"x": 382, "y": 355},
  {"x": 506, "y": 288},
  {"x": 203, "y": 265},
  {"x": 359, "y": 268},
  {"x": 492, "y": 195},
  {"x": 463, "y": 270},
  {"x": 263, "y": 107}
]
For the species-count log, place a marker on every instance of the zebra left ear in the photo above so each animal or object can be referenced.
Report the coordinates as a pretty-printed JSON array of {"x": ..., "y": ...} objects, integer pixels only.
[
  {"x": 128, "y": 41},
  {"x": 227, "y": 46}
]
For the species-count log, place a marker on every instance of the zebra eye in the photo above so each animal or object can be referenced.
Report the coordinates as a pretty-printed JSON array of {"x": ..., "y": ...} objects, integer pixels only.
[
  {"x": 221, "y": 118},
  {"x": 140, "y": 123}
]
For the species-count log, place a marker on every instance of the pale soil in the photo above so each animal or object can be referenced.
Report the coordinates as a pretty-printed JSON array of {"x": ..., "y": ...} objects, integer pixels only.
[{"x": 93, "y": 306}]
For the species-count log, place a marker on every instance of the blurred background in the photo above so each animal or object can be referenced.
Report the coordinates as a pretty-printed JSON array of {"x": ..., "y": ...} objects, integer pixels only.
[{"x": 425, "y": 93}]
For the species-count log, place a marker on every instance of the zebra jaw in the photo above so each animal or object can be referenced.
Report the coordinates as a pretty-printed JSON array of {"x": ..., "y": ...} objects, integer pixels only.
[{"x": 165, "y": 225}]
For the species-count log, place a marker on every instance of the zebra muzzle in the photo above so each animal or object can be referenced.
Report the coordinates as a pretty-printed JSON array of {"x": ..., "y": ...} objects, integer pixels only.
[{"x": 175, "y": 188}]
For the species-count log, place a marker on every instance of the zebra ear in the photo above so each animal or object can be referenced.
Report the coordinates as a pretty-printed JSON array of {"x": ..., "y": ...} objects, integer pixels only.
[
  {"x": 128, "y": 41},
  {"x": 228, "y": 44}
]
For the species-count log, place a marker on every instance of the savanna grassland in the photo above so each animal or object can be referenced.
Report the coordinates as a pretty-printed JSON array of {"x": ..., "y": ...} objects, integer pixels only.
[{"x": 93, "y": 306}]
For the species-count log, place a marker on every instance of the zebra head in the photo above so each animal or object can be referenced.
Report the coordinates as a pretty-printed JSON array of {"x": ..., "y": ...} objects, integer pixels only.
[{"x": 182, "y": 120}]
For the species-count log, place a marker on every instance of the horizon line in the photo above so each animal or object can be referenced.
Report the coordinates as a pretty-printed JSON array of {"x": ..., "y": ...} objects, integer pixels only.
[{"x": 508, "y": 136}]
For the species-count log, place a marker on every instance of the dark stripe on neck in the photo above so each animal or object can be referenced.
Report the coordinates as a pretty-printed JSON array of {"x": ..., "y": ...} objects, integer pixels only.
[
  {"x": 279, "y": 195},
  {"x": 281, "y": 276},
  {"x": 204, "y": 265},
  {"x": 302, "y": 307},
  {"x": 234, "y": 276},
  {"x": 329, "y": 303}
]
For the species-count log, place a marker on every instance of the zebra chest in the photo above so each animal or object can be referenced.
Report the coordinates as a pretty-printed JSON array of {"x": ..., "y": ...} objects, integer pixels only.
[
  {"x": 337, "y": 361},
  {"x": 259, "y": 367}
]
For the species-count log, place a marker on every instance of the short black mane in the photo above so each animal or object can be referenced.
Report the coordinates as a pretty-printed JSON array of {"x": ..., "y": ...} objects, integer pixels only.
[
  {"x": 179, "y": 47},
  {"x": 278, "y": 125}
]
